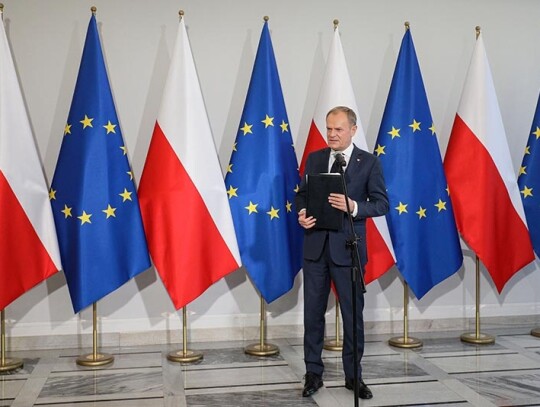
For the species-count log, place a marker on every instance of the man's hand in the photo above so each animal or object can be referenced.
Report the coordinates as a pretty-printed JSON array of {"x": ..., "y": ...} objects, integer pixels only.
[
  {"x": 338, "y": 201},
  {"x": 306, "y": 223}
]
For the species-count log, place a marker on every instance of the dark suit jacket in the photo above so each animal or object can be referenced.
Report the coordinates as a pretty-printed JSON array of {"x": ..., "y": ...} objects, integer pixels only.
[{"x": 365, "y": 185}]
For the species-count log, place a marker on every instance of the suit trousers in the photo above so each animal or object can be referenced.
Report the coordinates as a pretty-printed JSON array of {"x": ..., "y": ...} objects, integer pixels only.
[{"x": 317, "y": 277}]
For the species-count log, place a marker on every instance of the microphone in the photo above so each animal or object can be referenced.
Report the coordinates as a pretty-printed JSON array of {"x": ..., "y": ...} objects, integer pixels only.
[{"x": 340, "y": 160}]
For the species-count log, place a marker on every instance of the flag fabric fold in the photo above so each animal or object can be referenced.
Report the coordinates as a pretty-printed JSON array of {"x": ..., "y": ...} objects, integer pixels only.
[
  {"x": 28, "y": 243},
  {"x": 483, "y": 186},
  {"x": 262, "y": 179},
  {"x": 93, "y": 196},
  {"x": 336, "y": 90},
  {"x": 184, "y": 204},
  {"x": 421, "y": 218},
  {"x": 529, "y": 181}
]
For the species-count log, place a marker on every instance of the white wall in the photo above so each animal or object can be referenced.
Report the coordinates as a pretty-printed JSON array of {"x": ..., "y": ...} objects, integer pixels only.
[{"x": 137, "y": 36}]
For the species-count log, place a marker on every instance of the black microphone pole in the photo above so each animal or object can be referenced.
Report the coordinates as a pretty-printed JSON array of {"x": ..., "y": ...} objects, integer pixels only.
[{"x": 352, "y": 245}]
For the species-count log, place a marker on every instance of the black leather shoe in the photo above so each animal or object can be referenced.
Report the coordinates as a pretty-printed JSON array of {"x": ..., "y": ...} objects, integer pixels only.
[
  {"x": 363, "y": 390},
  {"x": 312, "y": 384}
]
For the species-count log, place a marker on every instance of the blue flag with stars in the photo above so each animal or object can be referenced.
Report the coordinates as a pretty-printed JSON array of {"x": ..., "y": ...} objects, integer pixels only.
[
  {"x": 262, "y": 179},
  {"x": 529, "y": 181},
  {"x": 93, "y": 196},
  {"x": 421, "y": 220}
]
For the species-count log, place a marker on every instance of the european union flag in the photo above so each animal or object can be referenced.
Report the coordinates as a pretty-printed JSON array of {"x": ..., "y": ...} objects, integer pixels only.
[
  {"x": 529, "y": 181},
  {"x": 421, "y": 219},
  {"x": 94, "y": 200},
  {"x": 261, "y": 181}
]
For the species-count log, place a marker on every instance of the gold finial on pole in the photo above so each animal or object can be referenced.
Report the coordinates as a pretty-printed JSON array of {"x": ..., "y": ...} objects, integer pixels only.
[
  {"x": 478, "y": 29},
  {"x": 93, "y": 9},
  {"x": 336, "y": 23},
  {"x": 266, "y": 18},
  {"x": 180, "y": 14},
  {"x": 407, "y": 26}
]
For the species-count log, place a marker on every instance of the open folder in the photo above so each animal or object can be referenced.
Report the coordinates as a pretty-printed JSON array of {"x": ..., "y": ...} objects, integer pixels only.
[{"x": 318, "y": 188}]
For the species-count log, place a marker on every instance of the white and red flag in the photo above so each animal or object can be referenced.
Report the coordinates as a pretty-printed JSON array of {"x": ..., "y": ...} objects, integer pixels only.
[
  {"x": 28, "y": 244},
  {"x": 182, "y": 194},
  {"x": 336, "y": 90},
  {"x": 481, "y": 179}
]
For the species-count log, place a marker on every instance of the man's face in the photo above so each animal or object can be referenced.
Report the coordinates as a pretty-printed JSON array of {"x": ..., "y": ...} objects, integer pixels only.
[{"x": 339, "y": 132}]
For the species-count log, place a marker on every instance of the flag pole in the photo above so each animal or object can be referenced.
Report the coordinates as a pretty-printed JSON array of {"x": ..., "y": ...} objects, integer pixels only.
[
  {"x": 477, "y": 337},
  {"x": 262, "y": 348},
  {"x": 6, "y": 364},
  {"x": 184, "y": 355},
  {"x": 94, "y": 359},
  {"x": 335, "y": 344},
  {"x": 405, "y": 341}
]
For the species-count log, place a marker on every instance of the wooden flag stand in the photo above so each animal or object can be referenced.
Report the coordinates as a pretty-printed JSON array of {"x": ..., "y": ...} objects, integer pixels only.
[
  {"x": 184, "y": 355},
  {"x": 262, "y": 348},
  {"x": 6, "y": 364},
  {"x": 477, "y": 337},
  {"x": 336, "y": 344},
  {"x": 94, "y": 359},
  {"x": 405, "y": 341}
]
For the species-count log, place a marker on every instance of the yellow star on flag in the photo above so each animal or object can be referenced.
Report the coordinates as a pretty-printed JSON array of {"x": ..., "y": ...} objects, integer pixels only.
[
  {"x": 394, "y": 132},
  {"x": 537, "y": 132},
  {"x": 380, "y": 150},
  {"x": 421, "y": 213},
  {"x": 130, "y": 173},
  {"x": 234, "y": 147},
  {"x": 528, "y": 150},
  {"x": 109, "y": 211},
  {"x": 246, "y": 129},
  {"x": 67, "y": 212},
  {"x": 52, "y": 194},
  {"x": 126, "y": 195},
  {"x": 441, "y": 205},
  {"x": 432, "y": 128},
  {"x": 401, "y": 208},
  {"x": 415, "y": 125},
  {"x": 232, "y": 191},
  {"x": 124, "y": 149},
  {"x": 229, "y": 168},
  {"x": 85, "y": 218},
  {"x": 268, "y": 121},
  {"x": 86, "y": 122},
  {"x": 67, "y": 129},
  {"x": 273, "y": 212},
  {"x": 284, "y": 126},
  {"x": 110, "y": 127},
  {"x": 288, "y": 205},
  {"x": 297, "y": 188},
  {"x": 252, "y": 208},
  {"x": 522, "y": 170},
  {"x": 526, "y": 191}
]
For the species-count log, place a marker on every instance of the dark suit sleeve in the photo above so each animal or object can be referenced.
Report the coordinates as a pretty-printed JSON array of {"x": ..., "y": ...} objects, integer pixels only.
[
  {"x": 377, "y": 202},
  {"x": 300, "y": 200}
]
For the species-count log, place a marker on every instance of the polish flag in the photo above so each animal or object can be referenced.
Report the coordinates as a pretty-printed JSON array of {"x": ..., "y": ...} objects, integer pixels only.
[
  {"x": 186, "y": 214},
  {"x": 28, "y": 244},
  {"x": 337, "y": 90},
  {"x": 481, "y": 178}
]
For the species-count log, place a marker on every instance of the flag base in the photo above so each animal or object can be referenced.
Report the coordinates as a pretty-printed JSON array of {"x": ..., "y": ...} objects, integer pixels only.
[
  {"x": 334, "y": 345},
  {"x": 10, "y": 364},
  {"x": 265, "y": 349},
  {"x": 535, "y": 332},
  {"x": 478, "y": 339},
  {"x": 405, "y": 342},
  {"x": 187, "y": 356},
  {"x": 95, "y": 360}
]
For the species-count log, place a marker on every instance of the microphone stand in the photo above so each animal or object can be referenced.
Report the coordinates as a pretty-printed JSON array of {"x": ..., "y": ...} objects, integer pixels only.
[{"x": 352, "y": 245}]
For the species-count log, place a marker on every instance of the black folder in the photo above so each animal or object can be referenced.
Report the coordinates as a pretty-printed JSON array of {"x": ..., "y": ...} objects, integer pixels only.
[{"x": 318, "y": 188}]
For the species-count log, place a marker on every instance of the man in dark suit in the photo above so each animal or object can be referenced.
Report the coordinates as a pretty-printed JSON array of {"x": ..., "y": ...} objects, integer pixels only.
[{"x": 326, "y": 256}]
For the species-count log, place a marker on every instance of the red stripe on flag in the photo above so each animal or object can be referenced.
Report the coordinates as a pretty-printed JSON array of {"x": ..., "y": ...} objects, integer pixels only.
[
  {"x": 379, "y": 257},
  {"x": 24, "y": 261},
  {"x": 315, "y": 141},
  {"x": 485, "y": 215},
  {"x": 186, "y": 246}
]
